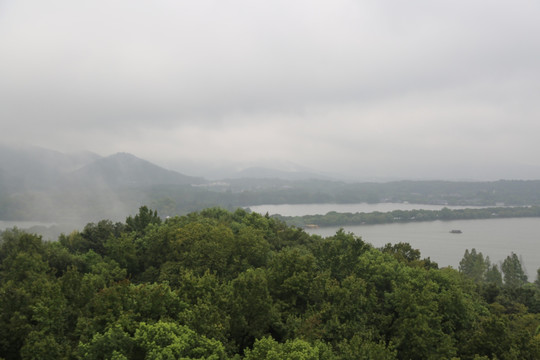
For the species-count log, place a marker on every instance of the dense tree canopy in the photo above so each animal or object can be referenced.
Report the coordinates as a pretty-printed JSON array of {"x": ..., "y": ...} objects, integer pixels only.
[{"x": 238, "y": 285}]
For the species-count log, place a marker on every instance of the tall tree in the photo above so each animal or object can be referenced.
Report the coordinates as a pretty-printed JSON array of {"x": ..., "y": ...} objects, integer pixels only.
[
  {"x": 474, "y": 265},
  {"x": 144, "y": 218},
  {"x": 514, "y": 275}
]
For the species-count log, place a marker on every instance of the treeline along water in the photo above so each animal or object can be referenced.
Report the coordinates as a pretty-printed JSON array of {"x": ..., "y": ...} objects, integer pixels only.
[
  {"x": 238, "y": 285},
  {"x": 321, "y": 209},
  {"x": 496, "y": 238}
]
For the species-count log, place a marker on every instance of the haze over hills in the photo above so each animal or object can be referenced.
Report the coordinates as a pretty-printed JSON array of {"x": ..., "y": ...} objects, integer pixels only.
[
  {"x": 263, "y": 169},
  {"x": 31, "y": 168},
  {"x": 125, "y": 169},
  {"x": 489, "y": 169},
  {"x": 26, "y": 168},
  {"x": 42, "y": 184},
  {"x": 45, "y": 185},
  {"x": 261, "y": 172}
]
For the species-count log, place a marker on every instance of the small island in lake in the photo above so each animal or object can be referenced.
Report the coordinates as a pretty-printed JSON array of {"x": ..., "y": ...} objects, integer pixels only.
[{"x": 455, "y": 231}]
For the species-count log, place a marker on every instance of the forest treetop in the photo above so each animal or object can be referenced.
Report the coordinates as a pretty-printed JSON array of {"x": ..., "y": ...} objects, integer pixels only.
[{"x": 218, "y": 284}]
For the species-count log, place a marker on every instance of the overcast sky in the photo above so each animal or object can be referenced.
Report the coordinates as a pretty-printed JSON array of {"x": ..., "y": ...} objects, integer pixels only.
[{"x": 372, "y": 89}]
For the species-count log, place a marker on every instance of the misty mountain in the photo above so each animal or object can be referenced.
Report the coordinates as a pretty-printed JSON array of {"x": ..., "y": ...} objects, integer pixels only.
[
  {"x": 267, "y": 173},
  {"x": 31, "y": 168},
  {"x": 124, "y": 169},
  {"x": 41, "y": 184},
  {"x": 283, "y": 170}
]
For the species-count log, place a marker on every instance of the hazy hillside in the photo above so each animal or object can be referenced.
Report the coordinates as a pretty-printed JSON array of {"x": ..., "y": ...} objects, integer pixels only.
[
  {"x": 28, "y": 168},
  {"x": 124, "y": 169},
  {"x": 39, "y": 184}
]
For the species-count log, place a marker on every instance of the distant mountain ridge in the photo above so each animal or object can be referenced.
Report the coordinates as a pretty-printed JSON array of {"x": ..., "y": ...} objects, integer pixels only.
[
  {"x": 37, "y": 168},
  {"x": 283, "y": 170},
  {"x": 123, "y": 169},
  {"x": 41, "y": 184}
]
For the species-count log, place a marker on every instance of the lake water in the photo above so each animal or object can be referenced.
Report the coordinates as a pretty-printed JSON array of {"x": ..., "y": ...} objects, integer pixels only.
[
  {"x": 496, "y": 238},
  {"x": 322, "y": 209}
]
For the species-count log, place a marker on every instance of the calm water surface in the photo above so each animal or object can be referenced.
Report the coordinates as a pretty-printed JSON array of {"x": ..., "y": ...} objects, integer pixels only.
[{"x": 496, "y": 238}]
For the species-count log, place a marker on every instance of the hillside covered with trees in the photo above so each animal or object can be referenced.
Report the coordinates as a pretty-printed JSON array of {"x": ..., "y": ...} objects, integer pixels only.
[
  {"x": 237, "y": 285},
  {"x": 73, "y": 189}
]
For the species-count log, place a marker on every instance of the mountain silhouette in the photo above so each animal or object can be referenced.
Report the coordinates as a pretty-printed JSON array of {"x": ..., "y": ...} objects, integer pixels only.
[{"x": 123, "y": 169}]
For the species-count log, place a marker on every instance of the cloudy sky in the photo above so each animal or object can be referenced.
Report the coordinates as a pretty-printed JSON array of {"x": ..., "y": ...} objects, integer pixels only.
[{"x": 371, "y": 89}]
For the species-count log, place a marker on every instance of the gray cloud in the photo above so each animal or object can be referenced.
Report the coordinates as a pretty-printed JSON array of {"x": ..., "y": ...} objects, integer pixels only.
[{"x": 377, "y": 86}]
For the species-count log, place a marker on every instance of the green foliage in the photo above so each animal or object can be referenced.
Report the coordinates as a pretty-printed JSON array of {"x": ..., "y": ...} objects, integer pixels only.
[
  {"x": 474, "y": 265},
  {"x": 493, "y": 275},
  {"x": 140, "y": 222},
  {"x": 537, "y": 281},
  {"x": 159, "y": 341},
  {"x": 291, "y": 273},
  {"x": 252, "y": 310},
  {"x": 402, "y": 252},
  {"x": 269, "y": 349},
  {"x": 40, "y": 345},
  {"x": 220, "y": 284},
  {"x": 514, "y": 276},
  {"x": 361, "y": 349},
  {"x": 165, "y": 340},
  {"x": 340, "y": 253},
  {"x": 30, "y": 297},
  {"x": 15, "y": 241}
]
